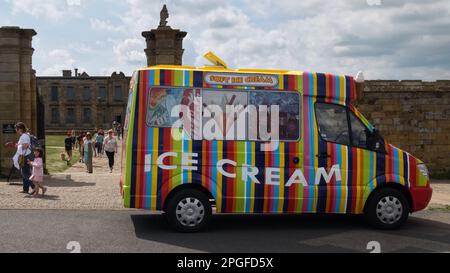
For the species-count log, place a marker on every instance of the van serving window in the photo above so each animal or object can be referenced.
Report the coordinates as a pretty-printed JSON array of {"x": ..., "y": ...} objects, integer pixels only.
[
  {"x": 223, "y": 112},
  {"x": 288, "y": 106},
  {"x": 161, "y": 101},
  {"x": 228, "y": 114}
]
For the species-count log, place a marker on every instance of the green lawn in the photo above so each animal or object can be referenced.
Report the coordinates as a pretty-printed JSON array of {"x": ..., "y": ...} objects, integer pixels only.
[{"x": 54, "y": 147}]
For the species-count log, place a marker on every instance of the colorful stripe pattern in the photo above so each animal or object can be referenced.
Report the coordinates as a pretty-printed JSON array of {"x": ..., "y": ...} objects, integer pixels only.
[{"x": 147, "y": 186}]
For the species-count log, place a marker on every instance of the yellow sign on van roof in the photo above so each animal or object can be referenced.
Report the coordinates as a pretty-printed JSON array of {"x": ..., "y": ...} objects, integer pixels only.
[{"x": 214, "y": 59}]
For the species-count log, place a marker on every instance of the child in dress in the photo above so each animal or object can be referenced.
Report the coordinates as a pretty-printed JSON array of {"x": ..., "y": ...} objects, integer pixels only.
[{"x": 37, "y": 175}]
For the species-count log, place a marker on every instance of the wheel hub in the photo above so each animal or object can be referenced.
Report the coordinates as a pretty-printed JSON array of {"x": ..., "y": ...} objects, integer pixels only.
[
  {"x": 190, "y": 212},
  {"x": 389, "y": 210}
]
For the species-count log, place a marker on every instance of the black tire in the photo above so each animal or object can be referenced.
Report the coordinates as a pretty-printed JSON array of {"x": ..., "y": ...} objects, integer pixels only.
[
  {"x": 379, "y": 206},
  {"x": 189, "y": 195}
]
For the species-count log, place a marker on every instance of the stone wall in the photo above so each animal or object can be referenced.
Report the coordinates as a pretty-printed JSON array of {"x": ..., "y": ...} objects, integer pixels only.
[
  {"x": 414, "y": 116},
  {"x": 17, "y": 87}
]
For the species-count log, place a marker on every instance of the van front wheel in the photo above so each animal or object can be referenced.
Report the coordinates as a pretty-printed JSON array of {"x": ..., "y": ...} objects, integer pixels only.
[
  {"x": 388, "y": 208},
  {"x": 188, "y": 210}
]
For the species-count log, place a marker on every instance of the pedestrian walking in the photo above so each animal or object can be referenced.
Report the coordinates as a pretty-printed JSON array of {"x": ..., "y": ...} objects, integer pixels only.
[
  {"x": 37, "y": 174},
  {"x": 23, "y": 154},
  {"x": 99, "y": 137},
  {"x": 74, "y": 138},
  {"x": 93, "y": 142},
  {"x": 80, "y": 140},
  {"x": 68, "y": 145},
  {"x": 119, "y": 131},
  {"x": 110, "y": 147},
  {"x": 88, "y": 151}
]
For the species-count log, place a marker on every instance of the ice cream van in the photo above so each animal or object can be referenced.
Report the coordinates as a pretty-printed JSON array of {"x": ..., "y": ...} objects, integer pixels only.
[{"x": 198, "y": 140}]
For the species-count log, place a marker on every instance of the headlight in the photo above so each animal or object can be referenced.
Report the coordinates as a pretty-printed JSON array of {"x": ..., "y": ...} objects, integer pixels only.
[{"x": 423, "y": 170}]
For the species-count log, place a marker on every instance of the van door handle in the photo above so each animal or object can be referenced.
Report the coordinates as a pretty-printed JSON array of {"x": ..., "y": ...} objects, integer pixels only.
[{"x": 323, "y": 155}]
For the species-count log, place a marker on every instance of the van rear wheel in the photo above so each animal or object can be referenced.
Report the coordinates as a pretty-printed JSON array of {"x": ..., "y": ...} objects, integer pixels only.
[
  {"x": 188, "y": 210},
  {"x": 388, "y": 208}
]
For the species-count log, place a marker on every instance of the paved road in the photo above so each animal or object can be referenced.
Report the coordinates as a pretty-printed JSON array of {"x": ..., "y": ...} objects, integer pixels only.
[{"x": 139, "y": 231}]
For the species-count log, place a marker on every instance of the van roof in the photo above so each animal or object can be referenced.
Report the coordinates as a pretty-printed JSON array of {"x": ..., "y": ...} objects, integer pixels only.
[
  {"x": 223, "y": 69},
  {"x": 333, "y": 87},
  {"x": 240, "y": 70}
]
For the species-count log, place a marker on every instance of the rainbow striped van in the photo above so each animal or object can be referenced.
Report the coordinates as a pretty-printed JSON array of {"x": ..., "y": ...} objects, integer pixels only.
[{"x": 185, "y": 154}]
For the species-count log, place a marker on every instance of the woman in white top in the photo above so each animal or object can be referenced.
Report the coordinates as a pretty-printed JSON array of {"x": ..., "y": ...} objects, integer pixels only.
[
  {"x": 24, "y": 150},
  {"x": 110, "y": 148}
]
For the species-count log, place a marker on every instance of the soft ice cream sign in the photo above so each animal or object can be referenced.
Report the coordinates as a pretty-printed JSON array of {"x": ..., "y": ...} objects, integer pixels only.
[{"x": 258, "y": 80}]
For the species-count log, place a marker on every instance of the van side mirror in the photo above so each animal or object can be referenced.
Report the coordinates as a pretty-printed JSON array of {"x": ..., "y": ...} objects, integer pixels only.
[{"x": 377, "y": 141}]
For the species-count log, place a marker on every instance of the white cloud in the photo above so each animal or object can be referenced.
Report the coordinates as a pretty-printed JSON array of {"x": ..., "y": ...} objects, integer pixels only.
[
  {"x": 105, "y": 25},
  {"x": 394, "y": 40},
  {"x": 336, "y": 36},
  {"x": 130, "y": 52},
  {"x": 53, "y": 10},
  {"x": 81, "y": 48},
  {"x": 58, "y": 60},
  {"x": 73, "y": 2}
]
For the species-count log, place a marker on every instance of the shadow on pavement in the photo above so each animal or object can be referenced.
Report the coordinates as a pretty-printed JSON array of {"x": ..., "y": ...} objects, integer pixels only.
[
  {"x": 66, "y": 181},
  {"x": 284, "y": 233},
  {"x": 59, "y": 182},
  {"x": 45, "y": 197}
]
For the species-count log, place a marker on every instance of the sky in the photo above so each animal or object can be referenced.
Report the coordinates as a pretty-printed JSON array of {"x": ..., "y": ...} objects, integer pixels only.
[{"x": 386, "y": 39}]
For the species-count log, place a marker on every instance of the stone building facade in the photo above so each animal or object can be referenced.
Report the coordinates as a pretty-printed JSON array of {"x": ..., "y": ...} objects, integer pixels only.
[
  {"x": 414, "y": 116},
  {"x": 18, "y": 99},
  {"x": 82, "y": 102}
]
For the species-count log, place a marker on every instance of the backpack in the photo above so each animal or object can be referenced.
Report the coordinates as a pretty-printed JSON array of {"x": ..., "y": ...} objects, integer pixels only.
[{"x": 34, "y": 142}]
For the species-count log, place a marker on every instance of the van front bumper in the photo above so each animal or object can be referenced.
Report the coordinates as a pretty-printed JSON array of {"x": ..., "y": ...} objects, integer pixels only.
[{"x": 421, "y": 197}]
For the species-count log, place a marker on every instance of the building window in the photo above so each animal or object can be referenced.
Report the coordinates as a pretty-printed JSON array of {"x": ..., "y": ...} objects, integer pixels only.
[
  {"x": 55, "y": 115},
  {"x": 70, "y": 117},
  {"x": 54, "y": 93},
  {"x": 87, "y": 115},
  {"x": 86, "y": 93},
  {"x": 102, "y": 93},
  {"x": 70, "y": 93},
  {"x": 118, "y": 93}
]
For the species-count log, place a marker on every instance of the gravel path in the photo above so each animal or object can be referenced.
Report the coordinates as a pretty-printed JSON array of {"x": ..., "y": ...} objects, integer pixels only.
[{"x": 73, "y": 189}]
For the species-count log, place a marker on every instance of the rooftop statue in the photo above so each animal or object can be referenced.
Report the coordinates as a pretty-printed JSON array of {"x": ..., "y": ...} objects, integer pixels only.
[{"x": 163, "y": 17}]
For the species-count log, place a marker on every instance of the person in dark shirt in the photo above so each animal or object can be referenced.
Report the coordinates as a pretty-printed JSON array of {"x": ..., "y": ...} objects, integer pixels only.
[
  {"x": 68, "y": 145},
  {"x": 74, "y": 138},
  {"x": 80, "y": 140}
]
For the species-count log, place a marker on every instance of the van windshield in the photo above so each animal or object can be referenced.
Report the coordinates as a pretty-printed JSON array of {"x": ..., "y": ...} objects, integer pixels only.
[{"x": 337, "y": 124}]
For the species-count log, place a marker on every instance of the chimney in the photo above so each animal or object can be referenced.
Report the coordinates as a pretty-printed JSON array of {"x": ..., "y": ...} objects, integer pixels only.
[
  {"x": 76, "y": 72},
  {"x": 67, "y": 73}
]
